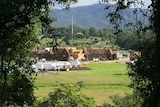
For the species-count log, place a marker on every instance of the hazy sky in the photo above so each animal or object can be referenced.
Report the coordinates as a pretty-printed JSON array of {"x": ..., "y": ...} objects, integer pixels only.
[
  {"x": 85, "y": 2},
  {"x": 90, "y": 2}
]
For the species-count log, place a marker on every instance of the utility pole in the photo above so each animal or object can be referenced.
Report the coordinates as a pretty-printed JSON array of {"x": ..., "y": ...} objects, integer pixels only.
[{"x": 72, "y": 25}]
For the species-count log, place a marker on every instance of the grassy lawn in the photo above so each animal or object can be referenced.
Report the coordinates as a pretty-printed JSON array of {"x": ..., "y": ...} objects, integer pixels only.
[{"x": 102, "y": 81}]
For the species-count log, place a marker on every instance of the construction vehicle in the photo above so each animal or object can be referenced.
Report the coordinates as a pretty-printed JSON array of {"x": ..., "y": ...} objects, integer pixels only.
[{"x": 76, "y": 54}]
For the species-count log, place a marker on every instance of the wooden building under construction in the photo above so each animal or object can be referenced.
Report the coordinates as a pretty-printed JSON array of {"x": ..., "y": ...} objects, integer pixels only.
[
  {"x": 99, "y": 53},
  {"x": 68, "y": 53},
  {"x": 61, "y": 54}
]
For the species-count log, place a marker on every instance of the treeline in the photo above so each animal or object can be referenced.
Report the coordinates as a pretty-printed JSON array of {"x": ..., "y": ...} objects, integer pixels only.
[{"x": 126, "y": 39}]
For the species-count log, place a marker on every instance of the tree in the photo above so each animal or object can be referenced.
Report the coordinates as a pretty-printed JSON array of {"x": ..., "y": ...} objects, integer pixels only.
[
  {"x": 128, "y": 40},
  {"x": 92, "y": 31},
  {"x": 127, "y": 101},
  {"x": 145, "y": 73},
  {"x": 67, "y": 96},
  {"x": 18, "y": 89},
  {"x": 19, "y": 19},
  {"x": 17, "y": 29}
]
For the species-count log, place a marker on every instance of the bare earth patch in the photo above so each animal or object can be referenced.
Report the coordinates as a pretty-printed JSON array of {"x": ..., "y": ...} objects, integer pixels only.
[{"x": 80, "y": 68}]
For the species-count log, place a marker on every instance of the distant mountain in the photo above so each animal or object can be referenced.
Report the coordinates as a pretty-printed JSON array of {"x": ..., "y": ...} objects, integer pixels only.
[{"x": 93, "y": 16}]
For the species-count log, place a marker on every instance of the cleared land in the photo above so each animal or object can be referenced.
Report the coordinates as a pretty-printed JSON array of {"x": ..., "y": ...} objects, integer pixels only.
[{"x": 101, "y": 82}]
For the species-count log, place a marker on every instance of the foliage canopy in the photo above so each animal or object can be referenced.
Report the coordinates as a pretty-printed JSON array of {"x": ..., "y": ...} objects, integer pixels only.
[
  {"x": 67, "y": 96},
  {"x": 144, "y": 73},
  {"x": 18, "y": 34}
]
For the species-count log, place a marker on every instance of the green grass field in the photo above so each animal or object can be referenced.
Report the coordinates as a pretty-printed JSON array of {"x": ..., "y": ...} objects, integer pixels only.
[{"x": 102, "y": 81}]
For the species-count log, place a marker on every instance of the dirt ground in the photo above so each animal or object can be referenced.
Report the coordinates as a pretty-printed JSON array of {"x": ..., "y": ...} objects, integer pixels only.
[
  {"x": 120, "y": 60},
  {"x": 80, "y": 68}
]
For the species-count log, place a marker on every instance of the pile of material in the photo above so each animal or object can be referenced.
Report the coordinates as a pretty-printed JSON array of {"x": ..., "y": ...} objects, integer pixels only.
[{"x": 99, "y": 53}]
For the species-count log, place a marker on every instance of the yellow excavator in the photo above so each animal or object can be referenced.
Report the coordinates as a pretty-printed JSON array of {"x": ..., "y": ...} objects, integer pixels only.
[{"x": 76, "y": 54}]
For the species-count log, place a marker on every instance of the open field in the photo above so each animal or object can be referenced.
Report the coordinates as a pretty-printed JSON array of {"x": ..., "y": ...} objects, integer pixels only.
[{"x": 102, "y": 81}]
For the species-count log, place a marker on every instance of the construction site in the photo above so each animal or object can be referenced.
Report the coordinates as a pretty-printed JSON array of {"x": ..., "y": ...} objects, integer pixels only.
[
  {"x": 67, "y": 58},
  {"x": 72, "y": 53}
]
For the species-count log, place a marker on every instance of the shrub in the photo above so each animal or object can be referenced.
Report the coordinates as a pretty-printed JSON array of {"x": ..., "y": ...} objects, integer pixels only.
[
  {"x": 67, "y": 96},
  {"x": 127, "y": 101}
]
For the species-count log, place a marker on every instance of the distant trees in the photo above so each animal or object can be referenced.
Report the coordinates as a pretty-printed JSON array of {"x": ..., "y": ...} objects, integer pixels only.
[
  {"x": 125, "y": 39},
  {"x": 128, "y": 40},
  {"x": 92, "y": 31},
  {"x": 65, "y": 34}
]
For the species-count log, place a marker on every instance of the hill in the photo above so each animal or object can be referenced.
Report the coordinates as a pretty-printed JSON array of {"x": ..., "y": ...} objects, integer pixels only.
[{"x": 94, "y": 16}]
